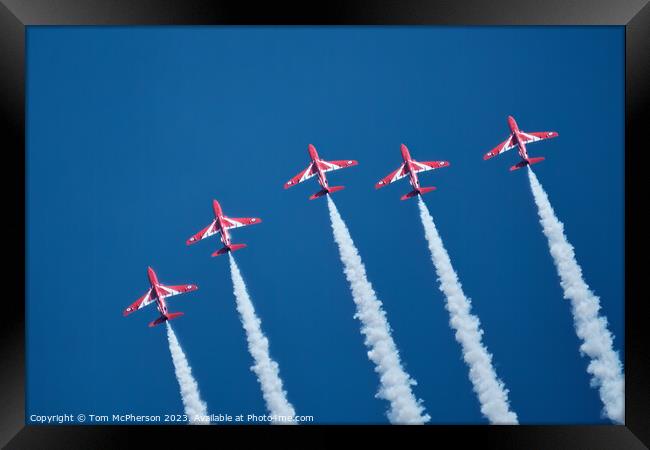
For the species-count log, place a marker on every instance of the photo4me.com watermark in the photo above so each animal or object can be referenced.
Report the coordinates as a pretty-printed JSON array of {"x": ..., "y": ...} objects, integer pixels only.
[{"x": 128, "y": 418}]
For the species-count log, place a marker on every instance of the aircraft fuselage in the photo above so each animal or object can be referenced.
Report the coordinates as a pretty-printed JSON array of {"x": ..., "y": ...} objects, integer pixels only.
[
  {"x": 322, "y": 179},
  {"x": 160, "y": 302},
  {"x": 413, "y": 177},
  {"x": 514, "y": 128},
  {"x": 218, "y": 215}
]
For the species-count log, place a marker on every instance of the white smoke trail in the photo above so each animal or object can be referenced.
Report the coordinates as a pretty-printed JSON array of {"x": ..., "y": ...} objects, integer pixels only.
[
  {"x": 195, "y": 408},
  {"x": 267, "y": 370},
  {"x": 395, "y": 383},
  {"x": 597, "y": 341},
  {"x": 492, "y": 394}
]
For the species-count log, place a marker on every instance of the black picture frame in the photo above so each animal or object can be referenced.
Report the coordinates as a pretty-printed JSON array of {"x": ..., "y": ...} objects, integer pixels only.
[{"x": 15, "y": 15}]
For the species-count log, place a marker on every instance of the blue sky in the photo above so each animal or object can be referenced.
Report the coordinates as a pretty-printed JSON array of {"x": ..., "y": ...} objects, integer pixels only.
[{"x": 132, "y": 131}]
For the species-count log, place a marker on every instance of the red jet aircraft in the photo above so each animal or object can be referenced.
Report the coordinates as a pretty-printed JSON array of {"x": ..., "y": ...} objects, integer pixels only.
[
  {"x": 222, "y": 224},
  {"x": 158, "y": 293},
  {"x": 411, "y": 168},
  {"x": 318, "y": 167},
  {"x": 519, "y": 139}
]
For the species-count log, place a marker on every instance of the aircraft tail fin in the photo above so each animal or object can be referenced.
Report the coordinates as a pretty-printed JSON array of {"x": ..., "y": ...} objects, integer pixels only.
[
  {"x": 318, "y": 194},
  {"x": 221, "y": 251},
  {"x": 224, "y": 250},
  {"x": 235, "y": 247},
  {"x": 420, "y": 191},
  {"x": 328, "y": 190},
  {"x": 162, "y": 319},
  {"x": 530, "y": 161},
  {"x": 424, "y": 190}
]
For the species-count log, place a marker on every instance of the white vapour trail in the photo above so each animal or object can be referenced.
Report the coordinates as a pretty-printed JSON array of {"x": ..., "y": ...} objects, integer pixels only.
[
  {"x": 492, "y": 394},
  {"x": 267, "y": 370},
  {"x": 195, "y": 409},
  {"x": 395, "y": 383},
  {"x": 597, "y": 342}
]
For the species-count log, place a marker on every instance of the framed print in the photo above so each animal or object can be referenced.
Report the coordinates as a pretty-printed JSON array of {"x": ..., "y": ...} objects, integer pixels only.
[{"x": 356, "y": 217}]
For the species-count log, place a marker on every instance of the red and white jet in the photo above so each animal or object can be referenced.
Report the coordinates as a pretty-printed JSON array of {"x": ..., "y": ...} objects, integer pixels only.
[
  {"x": 519, "y": 139},
  {"x": 222, "y": 224},
  {"x": 411, "y": 168},
  {"x": 318, "y": 167},
  {"x": 158, "y": 293}
]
